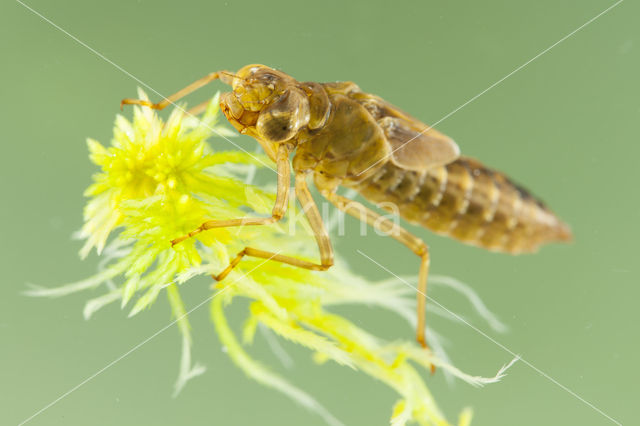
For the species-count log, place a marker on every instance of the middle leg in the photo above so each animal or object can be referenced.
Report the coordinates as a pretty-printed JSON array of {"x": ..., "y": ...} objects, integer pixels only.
[
  {"x": 317, "y": 226},
  {"x": 279, "y": 207}
]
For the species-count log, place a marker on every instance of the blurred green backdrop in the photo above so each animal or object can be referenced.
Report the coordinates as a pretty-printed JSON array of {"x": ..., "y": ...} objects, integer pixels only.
[{"x": 565, "y": 126}]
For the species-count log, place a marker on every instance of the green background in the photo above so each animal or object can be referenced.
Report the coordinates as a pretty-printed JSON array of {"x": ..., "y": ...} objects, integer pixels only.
[{"x": 565, "y": 125}]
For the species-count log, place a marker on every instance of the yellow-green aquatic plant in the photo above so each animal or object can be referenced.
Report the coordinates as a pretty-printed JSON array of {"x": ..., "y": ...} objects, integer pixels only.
[{"x": 159, "y": 180}]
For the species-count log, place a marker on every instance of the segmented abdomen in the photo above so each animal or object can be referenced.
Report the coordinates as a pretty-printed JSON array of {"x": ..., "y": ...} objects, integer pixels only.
[{"x": 466, "y": 201}]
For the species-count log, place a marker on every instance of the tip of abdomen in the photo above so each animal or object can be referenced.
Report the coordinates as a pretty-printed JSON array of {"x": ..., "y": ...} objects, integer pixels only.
[
  {"x": 563, "y": 232},
  {"x": 530, "y": 239},
  {"x": 559, "y": 232}
]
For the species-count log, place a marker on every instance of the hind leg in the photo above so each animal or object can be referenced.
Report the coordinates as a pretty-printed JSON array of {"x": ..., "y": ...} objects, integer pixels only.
[{"x": 415, "y": 244}]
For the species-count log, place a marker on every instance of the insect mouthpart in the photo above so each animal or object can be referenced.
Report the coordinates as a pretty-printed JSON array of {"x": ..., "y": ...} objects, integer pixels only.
[
  {"x": 259, "y": 85},
  {"x": 254, "y": 97}
]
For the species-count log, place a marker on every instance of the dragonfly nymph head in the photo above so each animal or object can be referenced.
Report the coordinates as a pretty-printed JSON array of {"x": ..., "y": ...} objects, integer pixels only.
[{"x": 268, "y": 102}]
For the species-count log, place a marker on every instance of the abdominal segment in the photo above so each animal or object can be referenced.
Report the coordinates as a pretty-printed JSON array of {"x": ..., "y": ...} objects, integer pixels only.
[{"x": 468, "y": 202}]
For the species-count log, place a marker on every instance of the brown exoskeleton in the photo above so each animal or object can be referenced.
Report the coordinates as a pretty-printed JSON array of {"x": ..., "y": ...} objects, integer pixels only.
[{"x": 343, "y": 136}]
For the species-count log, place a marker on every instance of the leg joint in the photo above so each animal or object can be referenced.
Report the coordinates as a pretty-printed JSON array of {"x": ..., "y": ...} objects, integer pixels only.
[
  {"x": 326, "y": 264},
  {"x": 422, "y": 250}
]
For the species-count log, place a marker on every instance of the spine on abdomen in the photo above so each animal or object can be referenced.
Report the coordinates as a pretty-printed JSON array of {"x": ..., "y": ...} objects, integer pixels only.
[{"x": 466, "y": 201}]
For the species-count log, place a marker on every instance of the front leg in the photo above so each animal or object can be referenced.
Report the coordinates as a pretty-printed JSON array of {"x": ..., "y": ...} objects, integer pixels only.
[{"x": 225, "y": 76}]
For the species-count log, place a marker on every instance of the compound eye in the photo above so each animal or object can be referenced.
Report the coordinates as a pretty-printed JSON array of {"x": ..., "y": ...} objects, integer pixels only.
[
  {"x": 277, "y": 128},
  {"x": 281, "y": 120},
  {"x": 267, "y": 77}
]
